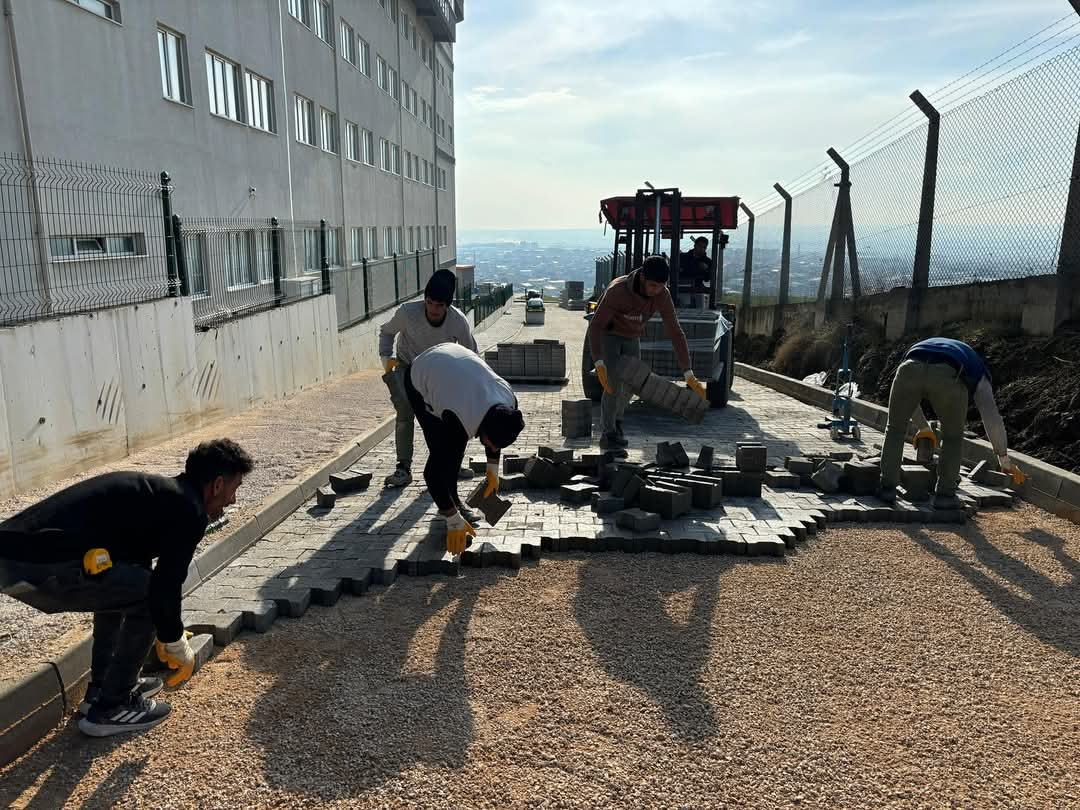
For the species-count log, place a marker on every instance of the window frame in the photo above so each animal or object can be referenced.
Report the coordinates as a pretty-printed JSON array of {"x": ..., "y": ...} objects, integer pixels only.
[
  {"x": 326, "y": 115},
  {"x": 309, "y": 123},
  {"x": 181, "y": 66},
  {"x": 213, "y": 58},
  {"x": 250, "y": 78}
]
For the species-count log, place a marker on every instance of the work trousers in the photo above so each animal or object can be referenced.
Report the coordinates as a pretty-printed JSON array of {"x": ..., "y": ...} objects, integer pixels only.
[
  {"x": 446, "y": 440},
  {"x": 613, "y": 406}
]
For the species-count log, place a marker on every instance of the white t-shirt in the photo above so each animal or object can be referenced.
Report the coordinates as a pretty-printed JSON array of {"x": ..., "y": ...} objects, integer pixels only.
[{"x": 451, "y": 378}]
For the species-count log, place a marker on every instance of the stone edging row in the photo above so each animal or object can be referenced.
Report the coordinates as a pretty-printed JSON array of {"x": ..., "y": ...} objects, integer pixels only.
[
  {"x": 39, "y": 702},
  {"x": 1049, "y": 487}
]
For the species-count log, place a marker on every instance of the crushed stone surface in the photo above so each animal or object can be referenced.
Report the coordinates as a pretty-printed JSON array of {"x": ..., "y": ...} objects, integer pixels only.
[{"x": 872, "y": 668}]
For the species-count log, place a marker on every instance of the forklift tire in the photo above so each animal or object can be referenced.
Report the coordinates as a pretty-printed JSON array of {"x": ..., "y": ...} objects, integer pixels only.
[
  {"x": 589, "y": 381},
  {"x": 717, "y": 392}
]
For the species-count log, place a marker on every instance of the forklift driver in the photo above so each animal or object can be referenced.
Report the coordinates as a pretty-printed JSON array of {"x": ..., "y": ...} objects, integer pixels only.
[{"x": 696, "y": 267}]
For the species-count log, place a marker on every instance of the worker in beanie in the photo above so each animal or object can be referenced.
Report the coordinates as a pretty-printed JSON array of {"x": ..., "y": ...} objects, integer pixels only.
[
  {"x": 416, "y": 327},
  {"x": 457, "y": 396},
  {"x": 951, "y": 375},
  {"x": 616, "y": 329}
]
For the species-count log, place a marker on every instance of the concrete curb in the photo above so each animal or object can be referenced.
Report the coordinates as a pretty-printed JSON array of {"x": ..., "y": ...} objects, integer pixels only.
[
  {"x": 1048, "y": 487},
  {"x": 39, "y": 702}
]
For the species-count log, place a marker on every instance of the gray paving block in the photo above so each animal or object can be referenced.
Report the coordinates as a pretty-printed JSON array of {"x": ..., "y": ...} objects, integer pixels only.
[
  {"x": 800, "y": 466},
  {"x": 668, "y": 502},
  {"x": 558, "y": 455},
  {"x": 993, "y": 478},
  {"x": 751, "y": 458},
  {"x": 325, "y": 497},
  {"x": 841, "y": 455},
  {"x": 606, "y": 504},
  {"x": 577, "y": 493},
  {"x": 781, "y": 479},
  {"x": 638, "y": 520},
  {"x": 291, "y": 602},
  {"x": 862, "y": 477},
  {"x": 514, "y": 464},
  {"x": 513, "y": 483},
  {"x": 492, "y": 506},
  {"x": 542, "y": 473},
  {"x": 632, "y": 489},
  {"x": 350, "y": 481},
  {"x": 977, "y": 471},
  {"x": 705, "y": 458},
  {"x": 828, "y": 477},
  {"x": 223, "y": 627},
  {"x": 916, "y": 481}
]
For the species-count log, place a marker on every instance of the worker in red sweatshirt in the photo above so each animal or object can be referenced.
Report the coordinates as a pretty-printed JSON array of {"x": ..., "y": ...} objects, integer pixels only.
[{"x": 616, "y": 329}]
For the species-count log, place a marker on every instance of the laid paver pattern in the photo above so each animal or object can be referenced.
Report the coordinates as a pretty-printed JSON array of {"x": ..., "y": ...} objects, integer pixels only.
[{"x": 373, "y": 536}]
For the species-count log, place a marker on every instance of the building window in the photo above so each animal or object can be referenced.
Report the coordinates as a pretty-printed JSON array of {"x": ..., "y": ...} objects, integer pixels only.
[
  {"x": 427, "y": 173},
  {"x": 392, "y": 82},
  {"x": 412, "y": 240},
  {"x": 414, "y": 103},
  {"x": 352, "y": 141},
  {"x": 384, "y": 154},
  {"x": 312, "y": 263},
  {"x": 93, "y": 247},
  {"x": 372, "y": 243},
  {"x": 172, "y": 56},
  {"x": 305, "y": 121},
  {"x": 301, "y": 10},
  {"x": 444, "y": 239},
  {"x": 397, "y": 159},
  {"x": 388, "y": 242},
  {"x": 109, "y": 9},
  {"x": 260, "y": 102},
  {"x": 405, "y": 26},
  {"x": 223, "y": 83},
  {"x": 356, "y": 240},
  {"x": 348, "y": 43},
  {"x": 333, "y": 247},
  {"x": 328, "y": 122},
  {"x": 239, "y": 270},
  {"x": 369, "y": 147},
  {"x": 194, "y": 244},
  {"x": 450, "y": 134},
  {"x": 365, "y": 57},
  {"x": 322, "y": 21},
  {"x": 380, "y": 64},
  {"x": 408, "y": 165},
  {"x": 405, "y": 94},
  {"x": 398, "y": 241}
]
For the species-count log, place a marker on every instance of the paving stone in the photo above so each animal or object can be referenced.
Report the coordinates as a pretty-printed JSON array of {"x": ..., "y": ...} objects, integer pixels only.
[
  {"x": 558, "y": 455},
  {"x": 542, "y": 473},
  {"x": 606, "y": 504},
  {"x": 977, "y": 471},
  {"x": 841, "y": 455},
  {"x": 638, "y": 520},
  {"x": 492, "y": 506},
  {"x": 828, "y": 477},
  {"x": 514, "y": 464},
  {"x": 916, "y": 480},
  {"x": 349, "y": 482},
  {"x": 577, "y": 493},
  {"x": 705, "y": 458},
  {"x": 679, "y": 454},
  {"x": 800, "y": 466},
  {"x": 993, "y": 478},
  {"x": 780, "y": 479},
  {"x": 862, "y": 477},
  {"x": 223, "y": 627},
  {"x": 478, "y": 464},
  {"x": 513, "y": 483},
  {"x": 668, "y": 502},
  {"x": 751, "y": 458},
  {"x": 632, "y": 489},
  {"x": 325, "y": 497},
  {"x": 291, "y": 602},
  {"x": 705, "y": 493}
]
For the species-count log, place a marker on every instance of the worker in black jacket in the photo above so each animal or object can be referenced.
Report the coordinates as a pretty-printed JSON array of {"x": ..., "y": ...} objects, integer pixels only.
[{"x": 90, "y": 548}]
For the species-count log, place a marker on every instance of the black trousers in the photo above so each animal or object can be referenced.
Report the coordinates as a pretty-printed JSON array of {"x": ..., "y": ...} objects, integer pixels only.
[
  {"x": 123, "y": 628},
  {"x": 446, "y": 441}
]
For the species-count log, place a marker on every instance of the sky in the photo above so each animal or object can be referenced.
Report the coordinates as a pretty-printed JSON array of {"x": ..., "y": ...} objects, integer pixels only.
[{"x": 560, "y": 103}]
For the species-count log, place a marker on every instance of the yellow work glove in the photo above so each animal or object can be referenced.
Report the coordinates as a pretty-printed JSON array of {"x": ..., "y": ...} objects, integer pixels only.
[
  {"x": 458, "y": 530},
  {"x": 177, "y": 655},
  {"x": 1006, "y": 466},
  {"x": 601, "y": 374},
  {"x": 694, "y": 384},
  {"x": 389, "y": 364},
  {"x": 492, "y": 480},
  {"x": 925, "y": 434}
]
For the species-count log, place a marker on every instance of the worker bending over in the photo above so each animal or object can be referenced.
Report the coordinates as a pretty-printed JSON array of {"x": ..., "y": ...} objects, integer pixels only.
[
  {"x": 418, "y": 325},
  {"x": 89, "y": 549},
  {"x": 457, "y": 396},
  {"x": 950, "y": 374},
  {"x": 616, "y": 329}
]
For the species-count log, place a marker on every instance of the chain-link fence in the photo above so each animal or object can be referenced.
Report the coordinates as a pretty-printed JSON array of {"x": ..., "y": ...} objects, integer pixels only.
[{"x": 1004, "y": 166}]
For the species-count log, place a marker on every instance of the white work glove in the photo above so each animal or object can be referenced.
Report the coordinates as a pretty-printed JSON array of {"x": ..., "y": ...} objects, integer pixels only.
[
  {"x": 458, "y": 530},
  {"x": 492, "y": 475},
  {"x": 177, "y": 655}
]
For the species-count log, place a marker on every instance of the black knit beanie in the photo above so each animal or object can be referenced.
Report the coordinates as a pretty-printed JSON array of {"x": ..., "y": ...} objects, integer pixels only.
[
  {"x": 440, "y": 287},
  {"x": 655, "y": 268},
  {"x": 502, "y": 425}
]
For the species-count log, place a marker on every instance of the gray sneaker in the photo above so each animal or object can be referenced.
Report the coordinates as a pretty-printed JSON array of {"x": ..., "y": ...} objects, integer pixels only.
[
  {"x": 401, "y": 477},
  {"x": 145, "y": 688},
  {"x": 134, "y": 714}
]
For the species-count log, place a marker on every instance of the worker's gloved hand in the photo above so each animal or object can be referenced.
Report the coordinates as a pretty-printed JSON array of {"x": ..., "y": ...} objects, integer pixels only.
[
  {"x": 389, "y": 364},
  {"x": 601, "y": 374},
  {"x": 694, "y": 384},
  {"x": 1006, "y": 465},
  {"x": 458, "y": 532},
  {"x": 922, "y": 435},
  {"x": 177, "y": 655},
  {"x": 492, "y": 480}
]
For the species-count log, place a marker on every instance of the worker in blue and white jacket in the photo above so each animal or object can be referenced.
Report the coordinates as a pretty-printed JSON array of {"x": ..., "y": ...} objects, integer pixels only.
[{"x": 951, "y": 375}]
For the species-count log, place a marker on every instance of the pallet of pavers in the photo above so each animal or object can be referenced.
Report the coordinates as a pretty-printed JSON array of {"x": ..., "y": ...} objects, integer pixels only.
[
  {"x": 541, "y": 361},
  {"x": 659, "y": 391}
]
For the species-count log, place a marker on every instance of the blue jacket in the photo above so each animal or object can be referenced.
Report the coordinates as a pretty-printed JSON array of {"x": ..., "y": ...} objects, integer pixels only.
[{"x": 956, "y": 353}]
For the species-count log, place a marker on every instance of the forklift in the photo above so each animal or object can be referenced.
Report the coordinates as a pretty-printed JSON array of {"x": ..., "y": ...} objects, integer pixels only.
[{"x": 643, "y": 225}]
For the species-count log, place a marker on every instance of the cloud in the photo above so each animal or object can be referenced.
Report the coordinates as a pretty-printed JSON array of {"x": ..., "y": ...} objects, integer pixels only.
[
  {"x": 486, "y": 99},
  {"x": 784, "y": 43}
]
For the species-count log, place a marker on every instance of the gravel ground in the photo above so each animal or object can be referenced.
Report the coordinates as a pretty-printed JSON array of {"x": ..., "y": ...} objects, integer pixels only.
[
  {"x": 874, "y": 668},
  {"x": 286, "y": 437}
]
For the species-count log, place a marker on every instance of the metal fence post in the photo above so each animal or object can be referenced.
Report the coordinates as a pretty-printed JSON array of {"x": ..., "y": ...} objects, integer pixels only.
[
  {"x": 748, "y": 270},
  {"x": 920, "y": 276},
  {"x": 419, "y": 286},
  {"x": 1068, "y": 270},
  {"x": 275, "y": 260},
  {"x": 184, "y": 283},
  {"x": 170, "y": 240},
  {"x": 324, "y": 260},
  {"x": 397, "y": 285},
  {"x": 367, "y": 288},
  {"x": 785, "y": 261}
]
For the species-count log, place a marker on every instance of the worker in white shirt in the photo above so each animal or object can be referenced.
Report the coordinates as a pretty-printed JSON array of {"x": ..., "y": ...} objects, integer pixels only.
[
  {"x": 950, "y": 374},
  {"x": 417, "y": 326},
  {"x": 456, "y": 396}
]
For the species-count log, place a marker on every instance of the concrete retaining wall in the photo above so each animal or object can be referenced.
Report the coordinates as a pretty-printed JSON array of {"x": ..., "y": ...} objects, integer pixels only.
[
  {"x": 1052, "y": 488},
  {"x": 83, "y": 390},
  {"x": 1026, "y": 304}
]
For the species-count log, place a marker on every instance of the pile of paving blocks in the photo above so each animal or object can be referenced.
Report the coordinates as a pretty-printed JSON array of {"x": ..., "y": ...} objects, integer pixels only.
[
  {"x": 700, "y": 329},
  {"x": 682, "y": 401},
  {"x": 539, "y": 361},
  {"x": 573, "y": 295},
  {"x": 577, "y": 418},
  {"x": 342, "y": 483}
]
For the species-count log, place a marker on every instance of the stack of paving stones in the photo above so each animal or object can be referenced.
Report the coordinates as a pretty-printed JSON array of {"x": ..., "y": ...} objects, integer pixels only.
[
  {"x": 539, "y": 361},
  {"x": 635, "y": 374},
  {"x": 577, "y": 418},
  {"x": 714, "y": 506},
  {"x": 573, "y": 295}
]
